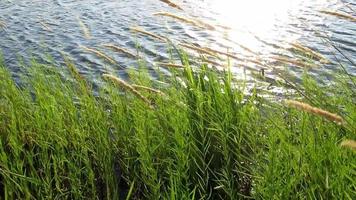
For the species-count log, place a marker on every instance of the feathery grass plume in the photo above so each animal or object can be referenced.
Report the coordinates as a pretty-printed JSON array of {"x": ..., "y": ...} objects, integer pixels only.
[
  {"x": 246, "y": 48},
  {"x": 119, "y": 49},
  {"x": 216, "y": 64},
  {"x": 3, "y": 24},
  {"x": 148, "y": 89},
  {"x": 224, "y": 27},
  {"x": 45, "y": 26},
  {"x": 349, "y": 144},
  {"x": 170, "y": 65},
  {"x": 128, "y": 87},
  {"x": 171, "y": 4},
  {"x": 256, "y": 61},
  {"x": 140, "y": 30},
  {"x": 316, "y": 111},
  {"x": 100, "y": 54},
  {"x": 75, "y": 73},
  {"x": 310, "y": 52},
  {"x": 294, "y": 62},
  {"x": 84, "y": 28},
  {"x": 223, "y": 53},
  {"x": 198, "y": 49},
  {"x": 340, "y": 15},
  {"x": 197, "y": 23}
]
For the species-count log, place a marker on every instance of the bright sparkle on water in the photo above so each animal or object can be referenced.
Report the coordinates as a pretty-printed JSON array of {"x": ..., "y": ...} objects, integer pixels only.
[{"x": 256, "y": 17}]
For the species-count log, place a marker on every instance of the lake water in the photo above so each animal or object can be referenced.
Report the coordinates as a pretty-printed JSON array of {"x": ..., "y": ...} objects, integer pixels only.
[{"x": 252, "y": 30}]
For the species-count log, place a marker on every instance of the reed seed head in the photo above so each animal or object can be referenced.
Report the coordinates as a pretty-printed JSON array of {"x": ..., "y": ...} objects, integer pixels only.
[
  {"x": 171, "y": 4},
  {"x": 316, "y": 111},
  {"x": 128, "y": 87},
  {"x": 349, "y": 144},
  {"x": 99, "y": 54}
]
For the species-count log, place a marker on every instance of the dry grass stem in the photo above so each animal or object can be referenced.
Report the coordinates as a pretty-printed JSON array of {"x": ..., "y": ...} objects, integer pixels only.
[
  {"x": 45, "y": 26},
  {"x": 100, "y": 54},
  {"x": 170, "y": 65},
  {"x": 140, "y": 30},
  {"x": 148, "y": 89},
  {"x": 216, "y": 64},
  {"x": 310, "y": 52},
  {"x": 84, "y": 28},
  {"x": 127, "y": 86},
  {"x": 171, "y": 4},
  {"x": 197, "y": 23},
  {"x": 230, "y": 55},
  {"x": 294, "y": 62},
  {"x": 119, "y": 49},
  {"x": 349, "y": 144},
  {"x": 316, "y": 111},
  {"x": 339, "y": 15},
  {"x": 198, "y": 49},
  {"x": 2, "y": 24},
  {"x": 246, "y": 49}
]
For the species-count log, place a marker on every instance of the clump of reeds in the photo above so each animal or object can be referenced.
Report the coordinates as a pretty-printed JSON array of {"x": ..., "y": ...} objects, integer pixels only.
[
  {"x": 99, "y": 53},
  {"x": 142, "y": 31},
  {"x": 294, "y": 62},
  {"x": 314, "y": 110},
  {"x": 197, "y": 23},
  {"x": 171, "y": 4},
  {"x": 339, "y": 15},
  {"x": 84, "y": 28},
  {"x": 120, "y": 49},
  {"x": 127, "y": 86},
  {"x": 170, "y": 65},
  {"x": 310, "y": 52},
  {"x": 349, "y": 144}
]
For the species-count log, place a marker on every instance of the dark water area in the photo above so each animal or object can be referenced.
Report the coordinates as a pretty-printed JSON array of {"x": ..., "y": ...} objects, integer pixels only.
[{"x": 38, "y": 28}]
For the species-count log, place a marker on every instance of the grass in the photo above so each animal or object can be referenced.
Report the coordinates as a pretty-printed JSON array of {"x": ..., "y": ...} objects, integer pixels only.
[{"x": 200, "y": 137}]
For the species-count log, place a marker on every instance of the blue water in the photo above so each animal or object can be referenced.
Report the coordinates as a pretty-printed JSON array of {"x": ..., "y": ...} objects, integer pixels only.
[{"x": 109, "y": 21}]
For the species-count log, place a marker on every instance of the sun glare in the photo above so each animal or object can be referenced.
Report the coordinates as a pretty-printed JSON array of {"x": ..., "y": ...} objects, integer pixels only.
[
  {"x": 259, "y": 17},
  {"x": 255, "y": 15}
]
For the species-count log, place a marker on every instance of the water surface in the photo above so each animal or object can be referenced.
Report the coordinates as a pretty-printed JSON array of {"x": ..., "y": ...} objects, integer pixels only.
[{"x": 251, "y": 30}]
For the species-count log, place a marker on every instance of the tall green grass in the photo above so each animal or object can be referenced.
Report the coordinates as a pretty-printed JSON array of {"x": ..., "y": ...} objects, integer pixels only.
[{"x": 203, "y": 139}]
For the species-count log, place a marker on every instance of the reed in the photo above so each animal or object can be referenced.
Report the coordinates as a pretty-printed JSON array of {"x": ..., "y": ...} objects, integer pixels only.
[
  {"x": 197, "y": 23},
  {"x": 339, "y": 15},
  {"x": 45, "y": 26},
  {"x": 137, "y": 87},
  {"x": 246, "y": 48},
  {"x": 120, "y": 50},
  {"x": 99, "y": 54},
  {"x": 257, "y": 61},
  {"x": 205, "y": 139},
  {"x": 230, "y": 55},
  {"x": 170, "y": 65},
  {"x": 310, "y": 52},
  {"x": 144, "y": 32},
  {"x": 316, "y": 111},
  {"x": 213, "y": 63},
  {"x": 84, "y": 28},
  {"x": 351, "y": 144},
  {"x": 198, "y": 49},
  {"x": 294, "y": 62},
  {"x": 3, "y": 24},
  {"x": 171, "y": 4},
  {"x": 128, "y": 87}
]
